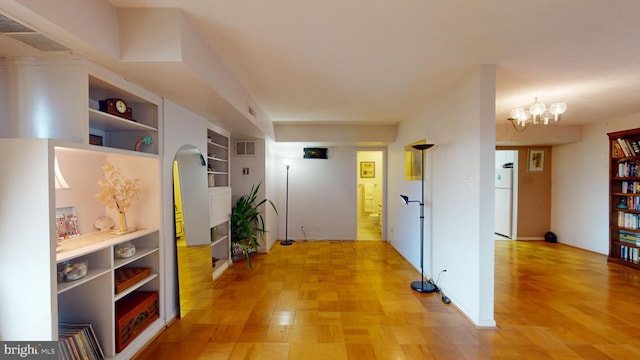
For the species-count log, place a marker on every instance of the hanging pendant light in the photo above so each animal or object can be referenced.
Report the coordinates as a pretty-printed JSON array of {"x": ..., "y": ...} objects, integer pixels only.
[{"x": 537, "y": 114}]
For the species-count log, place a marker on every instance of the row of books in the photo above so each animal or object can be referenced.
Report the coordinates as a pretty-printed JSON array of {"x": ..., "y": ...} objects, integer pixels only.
[
  {"x": 626, "y": 148},
  {"x": 630, "y": 187},
  {"x": 628, "y": 220},
  {"x": 631, "y": 254},
  {"x": 629, "y": 237},
  {"x": 78, "y": 342},
  {"x": 628, "y": 169}
]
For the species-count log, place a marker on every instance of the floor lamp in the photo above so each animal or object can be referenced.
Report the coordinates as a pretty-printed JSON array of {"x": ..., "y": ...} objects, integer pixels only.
[
  {"x": 421, "y": 286},
  {"x": 286, "y": 216}
]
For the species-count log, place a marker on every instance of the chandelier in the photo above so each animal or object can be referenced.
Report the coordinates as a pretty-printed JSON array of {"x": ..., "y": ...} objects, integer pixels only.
[{"x": 537, "y": 114}]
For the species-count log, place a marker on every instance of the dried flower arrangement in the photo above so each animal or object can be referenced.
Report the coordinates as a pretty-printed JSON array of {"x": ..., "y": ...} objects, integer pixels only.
[{"x": 117, "y": 191}]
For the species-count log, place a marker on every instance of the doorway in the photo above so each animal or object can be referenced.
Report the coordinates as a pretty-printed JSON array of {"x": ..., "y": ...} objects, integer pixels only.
[
  {"x": 191, "y": 216},
  {"x": 506, "y": 191},
  {"x": 370, "y": 194}
]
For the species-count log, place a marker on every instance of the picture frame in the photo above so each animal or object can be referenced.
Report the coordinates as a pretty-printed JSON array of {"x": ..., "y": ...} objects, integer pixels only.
[
  {"x": 367, "y": 169},
  {"x": 536, "y": 160},
  {"x": 66, "y": 223},
  {"x": 413, "y": 161}
]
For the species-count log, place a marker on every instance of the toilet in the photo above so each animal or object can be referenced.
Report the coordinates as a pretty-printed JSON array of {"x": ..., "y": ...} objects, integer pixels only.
[{"x": 374, "y": 217}]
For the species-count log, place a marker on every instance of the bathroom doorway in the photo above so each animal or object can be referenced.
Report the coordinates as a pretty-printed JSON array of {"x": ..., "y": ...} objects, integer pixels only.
[{"x": 370, "y": 195}]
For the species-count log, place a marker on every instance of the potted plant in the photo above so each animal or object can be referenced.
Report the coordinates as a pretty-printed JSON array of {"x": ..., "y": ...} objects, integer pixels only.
[{"x": 247, "y": 224}]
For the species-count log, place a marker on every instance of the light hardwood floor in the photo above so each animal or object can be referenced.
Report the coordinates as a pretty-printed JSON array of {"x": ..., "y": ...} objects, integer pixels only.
[{"x": 352, "y": 300}]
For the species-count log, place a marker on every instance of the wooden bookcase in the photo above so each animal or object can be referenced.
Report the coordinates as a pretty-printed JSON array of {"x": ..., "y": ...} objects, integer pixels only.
[{"x": 624, "y": 198}]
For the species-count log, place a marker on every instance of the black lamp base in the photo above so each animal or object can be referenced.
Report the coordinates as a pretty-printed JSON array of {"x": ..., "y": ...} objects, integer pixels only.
[
  {"x": 286, "y": 242},
  {"x": 423, "y": 287}
]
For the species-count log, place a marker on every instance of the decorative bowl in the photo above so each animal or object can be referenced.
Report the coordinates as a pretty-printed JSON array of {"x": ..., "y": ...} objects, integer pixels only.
[
  {"x": 125, "y": 250},
  {"x": 104, "y": 223},
  {"x": 71, "y": 271}
]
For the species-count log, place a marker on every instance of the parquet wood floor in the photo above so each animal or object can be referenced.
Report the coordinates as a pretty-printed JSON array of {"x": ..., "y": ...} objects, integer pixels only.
[{"x": 352, "y": 300}]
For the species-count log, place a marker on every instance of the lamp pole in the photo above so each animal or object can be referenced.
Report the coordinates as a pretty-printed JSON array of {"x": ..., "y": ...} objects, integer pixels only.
[
  {"x": 421, "y": 286},
  {"x": 286, "y": 216}
]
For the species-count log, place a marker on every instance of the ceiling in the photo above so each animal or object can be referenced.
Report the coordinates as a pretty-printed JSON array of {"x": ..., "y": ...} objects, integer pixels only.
[{"x": 378, "y": 61}]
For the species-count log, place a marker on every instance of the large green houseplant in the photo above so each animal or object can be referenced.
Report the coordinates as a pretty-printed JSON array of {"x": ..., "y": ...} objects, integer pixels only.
[{"x": 247, "y": 224}]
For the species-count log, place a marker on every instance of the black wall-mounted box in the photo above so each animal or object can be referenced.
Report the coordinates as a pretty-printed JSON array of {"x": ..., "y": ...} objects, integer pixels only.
[{"x": 315, "y": 153}]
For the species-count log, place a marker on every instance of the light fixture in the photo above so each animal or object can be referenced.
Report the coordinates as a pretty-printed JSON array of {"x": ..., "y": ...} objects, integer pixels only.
[
  {"x": 537, "y": 114},
  {"x": 421, "y": 286},
  {"x": 60, "y": 182},
  {"x": 286, "y": 240}
]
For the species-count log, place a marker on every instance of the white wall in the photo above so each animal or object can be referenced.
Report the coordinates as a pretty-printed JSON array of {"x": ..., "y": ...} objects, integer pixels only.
[
  {"x": 580, "y": 187},
  {"x": 458, "y": 193},
  {"x": 271, "y": 192},
  {"x": 241, "y": 184},
  {"x": 322, "y": 193}
]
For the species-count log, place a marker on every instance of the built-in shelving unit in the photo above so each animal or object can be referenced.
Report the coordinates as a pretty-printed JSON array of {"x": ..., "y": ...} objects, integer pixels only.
[
  {"x": 217, "y": 158},
  {"x": 118, "y": 132},
  {"x": 97, "y": 287},
  {"x": 38, "y": 300},
  {"x": 219, "y": 197},
  {"x": 624, "y": 198}
]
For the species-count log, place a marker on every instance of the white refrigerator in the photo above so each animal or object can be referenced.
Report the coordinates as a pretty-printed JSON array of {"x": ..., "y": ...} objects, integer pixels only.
[{"x": 503, "y": 184}]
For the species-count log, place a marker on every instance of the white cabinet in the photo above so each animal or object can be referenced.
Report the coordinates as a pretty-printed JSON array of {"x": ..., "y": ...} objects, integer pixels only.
[{"x": 219, "y": 205}]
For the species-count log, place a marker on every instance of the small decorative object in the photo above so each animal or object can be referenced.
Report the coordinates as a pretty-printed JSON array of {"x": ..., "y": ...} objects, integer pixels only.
[
  {"x": 95, "y": 140},
  {"x": 126, "y": 277},
  {"x": 116, "y": 107},
  {"x": 104, "y": 223},
  {"x": 117, "y": 193},
  {"x": 145, "y": 140},
  {"x": 125, "y": 250},
  {"x": 623, "y": 204},
  {"x": 72, "y": 271},
  {"x": 367, "y": 169},
  {"x": 67, "y": 223}
]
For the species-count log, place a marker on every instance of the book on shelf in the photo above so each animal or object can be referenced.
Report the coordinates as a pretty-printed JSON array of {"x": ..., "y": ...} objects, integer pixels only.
[
  {"x": 629, "y": 237},
  {"x": 628, "y": 169},
  {"x": 630, "y": 254},
  {"x": 628, "y": 220},
  {"x": 630, "y": 187},
  {"x": 628, "y": 147},
  {"x": 635, "y": 146},
  {"x": 80, "y": 341},
  {"x": 622, "y": 143},
  {"x": 616, "y": 151}
]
